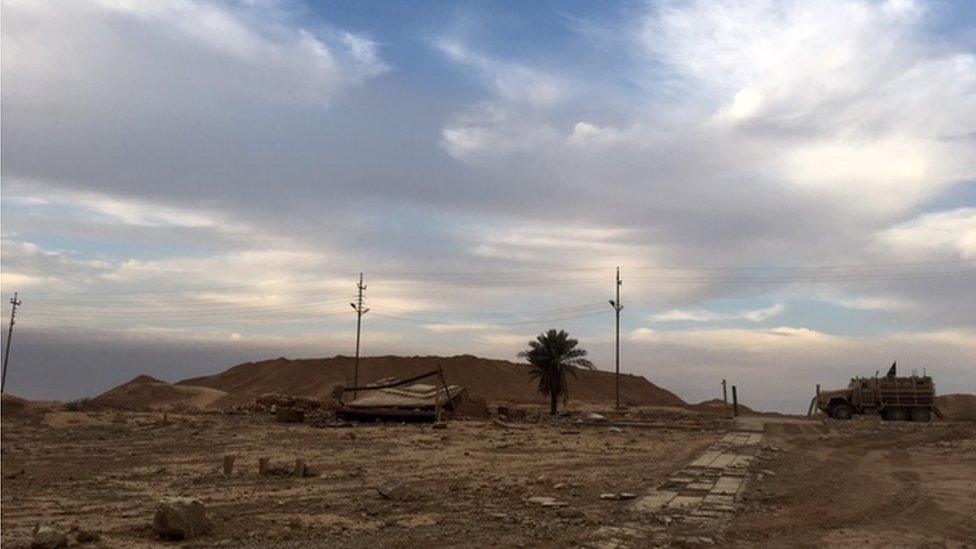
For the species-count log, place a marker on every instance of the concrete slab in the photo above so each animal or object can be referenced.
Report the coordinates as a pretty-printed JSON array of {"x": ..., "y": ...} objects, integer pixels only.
[
  {"x": 706, "y": 459},
  {"x": 727, "y": 486},
  {"x": 718, "y": 499},
  {"x": 654, "y": 501},
  {"x": 684, "y": 502},
  {"x": 706, "y": 486},
  {"x": 722, "y": 461}
]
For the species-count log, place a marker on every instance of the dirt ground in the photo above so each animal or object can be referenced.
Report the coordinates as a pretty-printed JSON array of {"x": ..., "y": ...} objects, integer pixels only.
[
  {"x": 468, "y": 483},
  {"x": 863, "y": 483},
  {"x": 826, "y": 484}
]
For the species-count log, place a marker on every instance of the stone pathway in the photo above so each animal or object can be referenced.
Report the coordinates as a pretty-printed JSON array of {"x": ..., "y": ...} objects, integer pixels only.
[{"x": 694, "y": 504}]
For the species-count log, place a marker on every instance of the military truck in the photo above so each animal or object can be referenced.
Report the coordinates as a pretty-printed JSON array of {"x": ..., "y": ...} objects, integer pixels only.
[{"x": 894, "y": 398}]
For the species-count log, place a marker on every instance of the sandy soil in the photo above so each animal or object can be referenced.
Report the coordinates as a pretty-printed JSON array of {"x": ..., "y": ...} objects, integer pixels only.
[
  {"x": 864, "y": 483},
  {"x": 468, "y": 483},
  {"x": 823, "y": 483}
]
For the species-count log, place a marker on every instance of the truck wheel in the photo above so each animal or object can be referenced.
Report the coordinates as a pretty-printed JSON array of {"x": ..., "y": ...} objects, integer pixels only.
[
  {"x": 921, "y": 414},
  {"x": 896, "y": 414},
  {"x": 841, "y": 411}
]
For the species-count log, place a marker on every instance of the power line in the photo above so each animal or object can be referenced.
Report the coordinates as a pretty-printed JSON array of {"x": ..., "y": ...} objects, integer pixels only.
[{"x": 483, "y": 277}]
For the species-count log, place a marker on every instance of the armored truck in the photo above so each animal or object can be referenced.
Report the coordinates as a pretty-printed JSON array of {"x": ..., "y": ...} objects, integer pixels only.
[{"x": 894, "y": 398}]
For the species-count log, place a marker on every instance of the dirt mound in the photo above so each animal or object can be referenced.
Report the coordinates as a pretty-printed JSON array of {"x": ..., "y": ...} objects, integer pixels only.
[
  {"x": 718, "y": 405},
  {"x": 11, "y": 405},
  {"x": 491, "y": 380},
  {"x": 148, "y": 393},
  {"x": 958, "y": 407}
]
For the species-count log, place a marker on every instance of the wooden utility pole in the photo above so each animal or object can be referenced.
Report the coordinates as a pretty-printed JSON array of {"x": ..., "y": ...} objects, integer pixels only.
[
  {"x": 725, "y": 395},
  {"x": 617, "y": 307},
  {"x": 358, "y": 306},
  {"x": 10, "y": 332}
]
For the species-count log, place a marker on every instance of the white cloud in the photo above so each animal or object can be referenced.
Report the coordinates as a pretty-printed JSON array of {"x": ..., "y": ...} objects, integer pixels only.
[
  {"x": 457, "y": 327},
  {"x": 699, "y": 315},
  {"x": 490, "y": 130},
  {"x": 172, "y": 49},
  {"x": 935, "y": 235},
  {"x": 512, "y": 81}
]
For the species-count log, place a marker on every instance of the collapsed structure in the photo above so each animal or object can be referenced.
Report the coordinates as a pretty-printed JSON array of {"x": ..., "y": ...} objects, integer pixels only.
[{"x": 404, "y": 400}]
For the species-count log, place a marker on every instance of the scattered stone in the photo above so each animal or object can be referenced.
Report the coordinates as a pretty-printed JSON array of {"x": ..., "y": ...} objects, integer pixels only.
[
  {"x": 610, "y": 497},
  {"x": 87, "y": 536},
  {"x": 554, "y": 503},
  {"x": 228, "y": 465},
  {"x": 439, "y": 425},
  {"x": 179, "y": 518},
  {"x": 628, "y": 495},
  {"x": 559, "y": 486},
  {"x": 768, "y": 473},
  {"x": 48, "y": 536},
  {"x": 395, "y": 489},
  {"x": 593, "y": 416},
  {"x": 615, "y": 429},
  {"x": 540, "y": 500}
]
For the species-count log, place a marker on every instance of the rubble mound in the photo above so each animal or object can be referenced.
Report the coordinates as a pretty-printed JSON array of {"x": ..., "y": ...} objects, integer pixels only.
[
  {"x": 957, "y": 407},
  {"x": 148, "y": 393}
]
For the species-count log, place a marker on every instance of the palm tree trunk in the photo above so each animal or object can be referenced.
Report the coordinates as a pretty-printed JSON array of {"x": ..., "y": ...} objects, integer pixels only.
[{"x": 553, "y": 400}]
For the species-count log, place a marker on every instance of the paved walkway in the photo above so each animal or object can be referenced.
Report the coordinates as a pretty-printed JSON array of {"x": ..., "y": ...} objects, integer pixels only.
[{"x": 694, "y": 504}]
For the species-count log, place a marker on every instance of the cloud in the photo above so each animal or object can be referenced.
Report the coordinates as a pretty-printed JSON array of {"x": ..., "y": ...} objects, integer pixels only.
[
  {"x": 461, "y": 327},
  {"x": 512, "y": 81},
  {"x": 940, "y": 234},
  {"x": 248, "y": 48},
  {"x": 755, "y": 315}
]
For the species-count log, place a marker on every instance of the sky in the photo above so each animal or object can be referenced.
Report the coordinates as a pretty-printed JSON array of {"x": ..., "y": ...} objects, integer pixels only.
[{"x": 788, "y": 187}]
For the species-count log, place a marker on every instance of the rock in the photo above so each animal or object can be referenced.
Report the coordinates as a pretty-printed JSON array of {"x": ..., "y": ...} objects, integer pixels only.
[
  {"x": 615, "y": 429},
  {"x": 179, "y": 518},
  {"x": 609, "y": 497},
  {"x": 87, "y": 536},
  {"x": 48, "y": 536},
  {"x": 559, "y": 486},
  {"x": 768, "y": 473},
  {"x": 540, "y": 500},
  {"x": 289, "y": 415},
  {"x": 554, "y": 504},
  {"x": 593, "y": 416},
  {"x": 627, "y": 495},
  {"x": 395, "y": 490},
  {"x": 439, "y": 425}
]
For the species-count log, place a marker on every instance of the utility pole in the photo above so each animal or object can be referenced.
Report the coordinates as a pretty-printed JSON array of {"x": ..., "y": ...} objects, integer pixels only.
[
  {"x": 617, "y": 307},
  {"x": 10, "y": 332},
  {"x": 360, "y": 311}
]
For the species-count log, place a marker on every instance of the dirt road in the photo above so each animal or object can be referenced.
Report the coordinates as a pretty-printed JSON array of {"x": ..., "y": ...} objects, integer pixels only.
[{"x": 864, "y": 483}]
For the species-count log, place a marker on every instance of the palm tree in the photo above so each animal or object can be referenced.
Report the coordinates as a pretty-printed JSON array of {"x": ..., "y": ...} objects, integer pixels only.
[{"x": 551, "y": 355}]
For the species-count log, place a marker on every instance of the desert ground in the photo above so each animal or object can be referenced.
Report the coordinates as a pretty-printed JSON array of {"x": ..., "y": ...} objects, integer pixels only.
[{"x": 575, "y": 481}]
